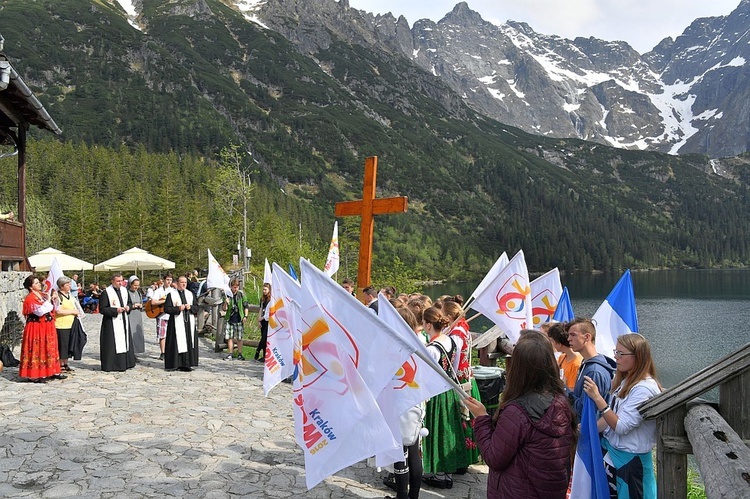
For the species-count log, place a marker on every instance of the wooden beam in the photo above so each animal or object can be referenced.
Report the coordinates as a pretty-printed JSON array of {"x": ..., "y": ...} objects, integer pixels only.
[
  {"x": 381, "y": 206},
  {"x": 725, "y": 369},
  {"x": 722, "y": 457}
]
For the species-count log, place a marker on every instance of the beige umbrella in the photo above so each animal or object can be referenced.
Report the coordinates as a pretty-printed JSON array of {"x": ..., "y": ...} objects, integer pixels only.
[
  {"x": 134, "y": 259},
  {"x": 43, "y": 260}
]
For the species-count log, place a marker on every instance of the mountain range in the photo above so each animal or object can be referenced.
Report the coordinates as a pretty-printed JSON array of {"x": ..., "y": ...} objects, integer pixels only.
[
  {"x": 689, "y": 95},
  {"x": 310, "y": 88}
]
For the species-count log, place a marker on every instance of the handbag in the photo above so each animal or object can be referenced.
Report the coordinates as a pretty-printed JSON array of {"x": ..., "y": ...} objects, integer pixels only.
[{"x": 6, "y": 355}]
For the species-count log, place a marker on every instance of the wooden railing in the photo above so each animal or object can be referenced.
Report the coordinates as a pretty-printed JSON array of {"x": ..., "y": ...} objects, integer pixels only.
[{"x": 718, "y": 439}]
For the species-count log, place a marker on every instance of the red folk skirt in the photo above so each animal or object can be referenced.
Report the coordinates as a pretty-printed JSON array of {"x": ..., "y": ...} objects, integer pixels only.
[{"x": 39, "y": 354}]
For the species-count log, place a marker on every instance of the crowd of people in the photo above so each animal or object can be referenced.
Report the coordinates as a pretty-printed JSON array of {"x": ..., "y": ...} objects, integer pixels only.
[
  {"x": 528, "y": 443},
  {"x": 54, "y": 333}
]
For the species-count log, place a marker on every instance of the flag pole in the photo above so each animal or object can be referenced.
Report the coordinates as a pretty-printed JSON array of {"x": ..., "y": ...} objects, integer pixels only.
[{"x": 473, "y": 317}]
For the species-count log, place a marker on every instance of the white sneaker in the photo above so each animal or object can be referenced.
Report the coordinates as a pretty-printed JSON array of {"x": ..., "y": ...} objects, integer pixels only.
[{"x": 228, "y": 357}]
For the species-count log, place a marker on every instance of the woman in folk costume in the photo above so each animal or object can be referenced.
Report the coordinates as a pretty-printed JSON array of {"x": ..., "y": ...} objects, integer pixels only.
[
  {"x": 444, "y": 451},
  {"x": 40, "y": 359},
  {"x": 181, "y": 345},
  {"x": 136, "y": 315},
  {"x": 459, "y": 333},
  {"x": 628, "y": 438},
  {"x": 115, "y": 339}
]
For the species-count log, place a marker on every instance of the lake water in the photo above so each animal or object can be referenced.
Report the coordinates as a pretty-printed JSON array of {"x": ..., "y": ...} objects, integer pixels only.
[{"x": 691, "y": 318}]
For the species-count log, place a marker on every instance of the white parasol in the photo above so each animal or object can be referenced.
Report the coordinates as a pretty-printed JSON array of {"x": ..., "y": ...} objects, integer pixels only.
[
  {"x": 134, "y": 259},
  {"x": 42, "y": 261}
]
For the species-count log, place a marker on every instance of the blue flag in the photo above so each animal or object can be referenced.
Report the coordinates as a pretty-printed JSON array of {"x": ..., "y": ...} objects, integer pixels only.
[
  {"x": 564, "y": 310},
  {"x": 589, "y": 477},
  {"x": 293, "y": 273}
]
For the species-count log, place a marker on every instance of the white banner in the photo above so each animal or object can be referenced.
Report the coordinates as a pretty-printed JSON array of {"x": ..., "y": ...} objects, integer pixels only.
[
  {"x": 506, "y": 300},
  {"x": 545, "y": 295}
]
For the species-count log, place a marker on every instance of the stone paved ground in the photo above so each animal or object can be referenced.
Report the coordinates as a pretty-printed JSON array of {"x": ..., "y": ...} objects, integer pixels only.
[{"x": 146, "y": 432}]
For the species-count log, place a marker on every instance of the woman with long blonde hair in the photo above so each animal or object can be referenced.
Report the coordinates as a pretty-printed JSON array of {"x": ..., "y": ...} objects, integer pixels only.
[{"x": 628, "y": 438}]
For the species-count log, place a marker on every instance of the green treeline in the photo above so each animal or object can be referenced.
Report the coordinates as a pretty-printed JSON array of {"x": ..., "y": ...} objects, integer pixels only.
[{"x": 95, "y": 202}]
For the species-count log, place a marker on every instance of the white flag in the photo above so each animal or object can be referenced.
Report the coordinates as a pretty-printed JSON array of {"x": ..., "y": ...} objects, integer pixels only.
[
  {"x": 414, "y": 382},
  {"x": 267, "y": 274},
  {"x": 546, "y": 291},
  {"x": 55, "y": 272},
  {"x": 217, "y": 278},
  {"x": 283, "y": 333},
  {"x": 506, "y": 300},
  {"x": 337, "y": 421},
  {"x": 499, "y": 265},
  {"x": 376, "y": 350},
  {"x": 332, "y": 261}
]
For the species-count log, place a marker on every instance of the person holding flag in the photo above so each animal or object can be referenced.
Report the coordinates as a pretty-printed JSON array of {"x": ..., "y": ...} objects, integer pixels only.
[
  {"x": 527, "y": 443},
  {"x": 40, "y": 359},
  {"x": 66, "y": 310},
  {"x": 444, "y": 451},
  {"x": 582, "y": 339},
  {"x": 628, "y": 438},
  {"x": 260, "y": 351}
]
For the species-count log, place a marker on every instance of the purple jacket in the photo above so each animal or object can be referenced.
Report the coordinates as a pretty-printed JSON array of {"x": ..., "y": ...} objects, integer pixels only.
[{"x": 528, "y": 450}]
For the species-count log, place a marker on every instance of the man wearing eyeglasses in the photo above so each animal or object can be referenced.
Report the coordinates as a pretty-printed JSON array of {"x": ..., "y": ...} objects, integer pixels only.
[{"x": 582, "y": 339}]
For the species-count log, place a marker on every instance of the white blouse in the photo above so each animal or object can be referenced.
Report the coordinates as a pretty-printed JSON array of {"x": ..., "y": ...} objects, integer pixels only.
[{"x": 633, "y": 433}]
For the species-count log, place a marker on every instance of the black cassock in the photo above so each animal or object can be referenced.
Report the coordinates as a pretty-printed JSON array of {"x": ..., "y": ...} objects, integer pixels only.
[
  {"x": 172, "y": 358},
  {"x": 111, "y": 360}
]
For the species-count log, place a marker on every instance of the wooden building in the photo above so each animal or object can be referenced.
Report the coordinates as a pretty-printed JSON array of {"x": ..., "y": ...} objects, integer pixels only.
[{"x": 19, "y": 110}]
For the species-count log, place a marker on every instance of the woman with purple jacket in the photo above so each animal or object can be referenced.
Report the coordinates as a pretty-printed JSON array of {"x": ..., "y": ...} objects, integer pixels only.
[{"x": 529, "y": 443}]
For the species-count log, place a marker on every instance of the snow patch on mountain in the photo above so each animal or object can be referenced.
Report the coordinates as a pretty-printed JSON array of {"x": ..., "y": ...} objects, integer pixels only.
[
  {"x": 249, "y": 9},
  {"x": 129, "y": 7}
]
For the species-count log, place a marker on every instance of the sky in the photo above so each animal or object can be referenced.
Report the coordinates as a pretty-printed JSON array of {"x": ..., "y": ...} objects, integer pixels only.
[{"x": 641, "y": 23}]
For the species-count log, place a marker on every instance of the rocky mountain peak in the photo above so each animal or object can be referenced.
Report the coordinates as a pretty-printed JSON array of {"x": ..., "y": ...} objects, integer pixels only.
[
  {"x": 675, "y": 98},
  {"x": 462, "y": 14}
]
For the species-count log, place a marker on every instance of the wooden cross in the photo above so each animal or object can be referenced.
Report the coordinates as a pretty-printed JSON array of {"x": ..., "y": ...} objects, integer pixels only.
[{"x": 366, "y": 208}]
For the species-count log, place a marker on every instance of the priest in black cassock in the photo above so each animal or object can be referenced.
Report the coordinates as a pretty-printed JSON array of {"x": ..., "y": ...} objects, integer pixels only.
[
  {"x": 115, "y": 339},
  {"x": 181, "y": 345}
]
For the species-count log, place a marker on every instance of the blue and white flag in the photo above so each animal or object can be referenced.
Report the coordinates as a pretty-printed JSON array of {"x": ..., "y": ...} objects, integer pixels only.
[
  {"x": 589, "y": 477},
  {"x": 616, "y": 316},
  {"x": 564, "y": 310}
]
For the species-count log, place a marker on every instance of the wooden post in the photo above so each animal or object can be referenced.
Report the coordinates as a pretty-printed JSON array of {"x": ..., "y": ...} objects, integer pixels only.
[
  {"x": 22, "y": 178},
  {"x": 366, "y": 208},
  {"x": 671, "y": 456},
  {"x": 734, "y": 404}
]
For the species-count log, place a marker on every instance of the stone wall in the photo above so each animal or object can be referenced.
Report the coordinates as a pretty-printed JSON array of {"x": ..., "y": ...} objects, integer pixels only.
[{"x": 12, "y": 294}]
